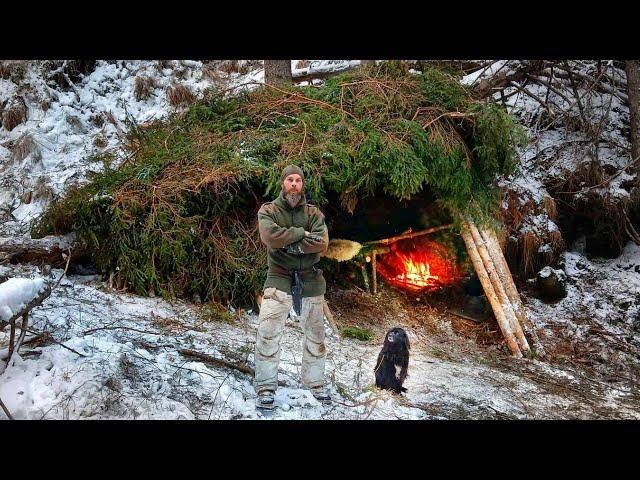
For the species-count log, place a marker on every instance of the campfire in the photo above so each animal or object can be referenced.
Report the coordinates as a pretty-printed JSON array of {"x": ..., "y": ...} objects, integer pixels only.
[{"x": 419, "y": 266}]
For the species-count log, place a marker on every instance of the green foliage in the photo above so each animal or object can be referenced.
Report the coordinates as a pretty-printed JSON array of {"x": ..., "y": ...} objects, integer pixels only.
[
  {"x": 362, "y": 334},
  {"x": 214, "y": 312},
  {"x": 179, "y": 215}
]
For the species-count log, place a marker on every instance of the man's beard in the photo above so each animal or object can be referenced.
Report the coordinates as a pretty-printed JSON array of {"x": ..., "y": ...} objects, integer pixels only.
[{"x": 293, "y": 198}]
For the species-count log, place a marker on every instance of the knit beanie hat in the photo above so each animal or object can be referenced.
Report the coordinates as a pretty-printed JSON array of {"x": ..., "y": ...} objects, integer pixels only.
[{"x": 289, "y": 169}]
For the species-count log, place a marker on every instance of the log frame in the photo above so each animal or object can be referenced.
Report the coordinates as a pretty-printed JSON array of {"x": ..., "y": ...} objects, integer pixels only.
[
  {"x": 502, "y": 267},
  {"x": 499, "y": 288},
  {"x": 480, "y": 269}
]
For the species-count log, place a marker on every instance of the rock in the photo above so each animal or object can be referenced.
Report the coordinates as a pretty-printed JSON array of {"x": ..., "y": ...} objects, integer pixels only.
[
  {"x": 551, "y": 284},
  {"x": 475, "y": 306}
]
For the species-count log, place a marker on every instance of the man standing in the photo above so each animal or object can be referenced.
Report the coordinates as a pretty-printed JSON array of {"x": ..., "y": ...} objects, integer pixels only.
[{"x": 295, "y": 234}]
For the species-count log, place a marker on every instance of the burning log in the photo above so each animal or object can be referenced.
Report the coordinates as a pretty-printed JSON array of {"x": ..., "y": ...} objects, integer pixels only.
[
  {"x": 499, "y": 288},
  {"x": 503, "y": 321}
]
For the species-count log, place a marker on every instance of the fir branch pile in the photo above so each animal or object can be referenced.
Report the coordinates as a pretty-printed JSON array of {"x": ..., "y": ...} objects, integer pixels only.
[{"x": 178, "y": 217}]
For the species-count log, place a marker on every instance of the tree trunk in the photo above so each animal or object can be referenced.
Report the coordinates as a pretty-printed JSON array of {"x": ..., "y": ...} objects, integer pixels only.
[
  {"x": 633, "y": 89},
  {"x": 277, "y": 72},
  {"x": 48, "y": 249}
]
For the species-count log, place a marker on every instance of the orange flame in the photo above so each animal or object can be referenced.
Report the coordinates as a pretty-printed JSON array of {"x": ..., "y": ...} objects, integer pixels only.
[
  {"x": 419, "y": 267},
  {"x": 416, "y": 273}
]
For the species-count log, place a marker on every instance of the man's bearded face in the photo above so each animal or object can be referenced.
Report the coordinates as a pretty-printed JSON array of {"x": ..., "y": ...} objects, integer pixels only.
[{"x": 292, "y": 186}]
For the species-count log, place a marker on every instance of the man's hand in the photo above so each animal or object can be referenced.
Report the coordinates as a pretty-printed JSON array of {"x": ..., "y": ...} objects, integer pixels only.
[{"x": 294, "y": 248}]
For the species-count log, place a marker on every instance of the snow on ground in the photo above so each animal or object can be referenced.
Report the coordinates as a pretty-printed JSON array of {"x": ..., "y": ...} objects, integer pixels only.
[
  {"x": 122, "y": 360},
  {"x": 603, "y": 290},
  {"x": 16, "y": 293}
]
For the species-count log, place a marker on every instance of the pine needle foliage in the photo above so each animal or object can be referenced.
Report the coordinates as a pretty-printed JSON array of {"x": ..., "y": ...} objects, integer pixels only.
[{"x": 179, "y": 215}]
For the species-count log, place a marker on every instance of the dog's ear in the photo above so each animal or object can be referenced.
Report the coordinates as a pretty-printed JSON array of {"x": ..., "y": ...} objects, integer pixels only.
[{"x": 406, "y": 341}]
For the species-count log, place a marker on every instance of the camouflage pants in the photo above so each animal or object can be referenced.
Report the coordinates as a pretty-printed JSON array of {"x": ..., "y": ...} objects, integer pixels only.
[{"x": 273, "y": 313}]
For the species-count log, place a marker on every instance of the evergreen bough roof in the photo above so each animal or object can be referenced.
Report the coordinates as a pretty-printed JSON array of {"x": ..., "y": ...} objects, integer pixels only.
[{"x": 178, "y": 217}]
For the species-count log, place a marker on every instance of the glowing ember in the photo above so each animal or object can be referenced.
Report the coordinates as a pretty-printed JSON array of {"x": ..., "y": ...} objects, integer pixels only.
[
  {"x": 416, "y": 273},
  {"x": 419, "y": 267}
]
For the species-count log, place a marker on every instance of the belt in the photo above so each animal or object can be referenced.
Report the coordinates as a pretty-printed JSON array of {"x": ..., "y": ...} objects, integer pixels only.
[
  {"x": 296, "y": 283},
  {"x": 284, "y": 271}
]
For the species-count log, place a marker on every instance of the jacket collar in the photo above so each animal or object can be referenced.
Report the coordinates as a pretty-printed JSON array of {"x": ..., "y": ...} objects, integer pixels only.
[{"x": 282, "y": 202}]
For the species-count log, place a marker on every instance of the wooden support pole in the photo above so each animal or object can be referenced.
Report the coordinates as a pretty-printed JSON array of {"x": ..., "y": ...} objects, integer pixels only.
[
  {"x": 12, "y": 336},
  {"x": 387, "y": 241},
  {"x": 491, "y": 240},
  {"x": 374, "y": 276},
  {"x": 480, "y": 269},
  {"x": 499, "y": 288},
  {"x": 365, "y": 277}
]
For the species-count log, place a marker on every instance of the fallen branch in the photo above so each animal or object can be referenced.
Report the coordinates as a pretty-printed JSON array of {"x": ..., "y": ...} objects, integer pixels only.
[
  {"x": 462, "y": 315},
  {"x": 6, "y": 410},
  {"x": 32, "y": 304},
  {"x": 535, "y": 97},
  {"x": 221, "y": 363},
  {"x": 501, "y": 79},
  {"x": 319, "y": 75},
  {"x": 48, "y": 249},
  {"x": 596, "y": 81},
  {"x": 93, "y": 330}
]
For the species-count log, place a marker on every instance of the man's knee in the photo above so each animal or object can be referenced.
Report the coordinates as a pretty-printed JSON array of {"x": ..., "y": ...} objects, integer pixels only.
[
  {"x": 314, "y": 325},
  {"x": 316, "y": 349}
]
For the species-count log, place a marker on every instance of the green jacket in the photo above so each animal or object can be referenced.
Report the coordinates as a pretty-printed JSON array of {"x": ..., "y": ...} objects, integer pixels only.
[{"x": 282, "y": 231}]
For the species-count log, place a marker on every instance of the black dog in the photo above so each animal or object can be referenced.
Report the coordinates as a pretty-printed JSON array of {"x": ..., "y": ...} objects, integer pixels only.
[{"x": 393, "y": 361}]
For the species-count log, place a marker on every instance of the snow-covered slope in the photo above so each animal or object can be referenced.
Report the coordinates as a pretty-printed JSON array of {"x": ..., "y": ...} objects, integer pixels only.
[
  {"x": 120, "y": 358},
  {"x": 59, "y": 145}
]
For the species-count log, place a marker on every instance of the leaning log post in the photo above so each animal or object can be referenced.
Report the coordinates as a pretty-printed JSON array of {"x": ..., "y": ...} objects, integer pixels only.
[
  {"x": 491, "y": 240},
  {"x": 499, "y": 288},
  {"x": 365, "y": 277},
  {"x": 480, "y": 269},
  {"x": 374, "y": 275}
]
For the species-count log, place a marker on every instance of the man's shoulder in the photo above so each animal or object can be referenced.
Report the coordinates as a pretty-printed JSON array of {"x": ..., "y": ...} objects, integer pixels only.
[
  {"x": 314, "y": 210},
  {"x": 267, "y": 207}
]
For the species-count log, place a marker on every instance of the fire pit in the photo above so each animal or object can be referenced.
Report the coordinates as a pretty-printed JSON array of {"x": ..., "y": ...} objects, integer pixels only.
[{"x": 419, "y": 266}]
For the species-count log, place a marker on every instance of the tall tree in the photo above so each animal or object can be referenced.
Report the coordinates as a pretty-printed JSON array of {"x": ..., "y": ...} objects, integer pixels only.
[
  {"x": 277, "y": 72},
  {"x": 633, "y": 87}
]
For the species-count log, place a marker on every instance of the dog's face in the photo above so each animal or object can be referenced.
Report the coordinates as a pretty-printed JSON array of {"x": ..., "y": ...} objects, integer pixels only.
[{"x": 398, "y": 337}]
